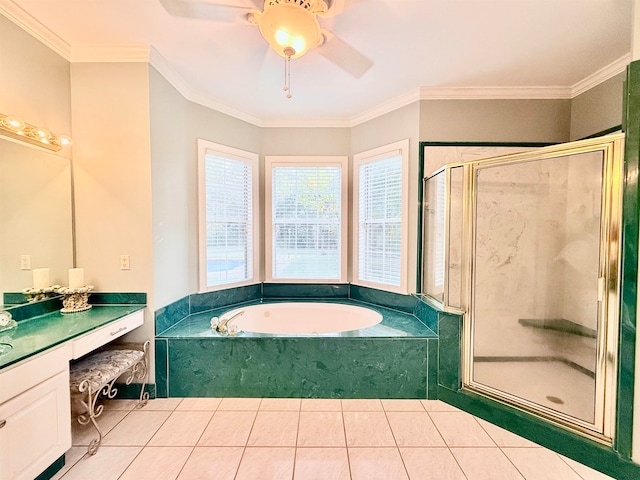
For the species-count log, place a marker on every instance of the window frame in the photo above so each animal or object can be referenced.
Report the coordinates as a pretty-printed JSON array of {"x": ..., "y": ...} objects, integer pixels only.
[
  {"x": 397, "y": 148},
  {"x": 271, "y": 161},
  {"x": 206, "y": 147}
]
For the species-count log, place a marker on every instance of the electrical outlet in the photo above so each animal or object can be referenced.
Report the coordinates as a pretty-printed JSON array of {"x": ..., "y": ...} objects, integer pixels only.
[
  {"x": 25, "y": 262},
  {"x": 124, "y": 262}
]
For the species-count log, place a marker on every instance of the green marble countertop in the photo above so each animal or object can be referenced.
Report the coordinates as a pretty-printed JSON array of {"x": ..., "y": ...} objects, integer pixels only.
[
  {"x": 36, "y": 334},
  {"x": 394, "y": 324}
]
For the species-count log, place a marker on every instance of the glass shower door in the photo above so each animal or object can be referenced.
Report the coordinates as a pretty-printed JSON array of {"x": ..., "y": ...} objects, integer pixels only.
[{"x": 538, "y": 285}]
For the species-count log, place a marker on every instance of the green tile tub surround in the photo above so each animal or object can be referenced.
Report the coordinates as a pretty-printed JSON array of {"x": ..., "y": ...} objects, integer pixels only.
[
  {"x": 405, "y": 303},
  {"x": 307, "y": 367},
  {"x": 391, "y": 359},
  {"x": 449, "y": 351},
  {"x": 167, "y": 316},
  {"x": 426, "y": 314},
  {"x": 299, "y": 290},
  {"x": 161, "y": 367},
  {"x": 201, "y": 302}
]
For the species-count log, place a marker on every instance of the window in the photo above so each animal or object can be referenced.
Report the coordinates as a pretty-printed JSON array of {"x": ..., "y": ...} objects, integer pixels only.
[
  {"x": 380, "y": 217},
  {"x": 306, "y": 211},
  {"x": 228, "y": 218}
]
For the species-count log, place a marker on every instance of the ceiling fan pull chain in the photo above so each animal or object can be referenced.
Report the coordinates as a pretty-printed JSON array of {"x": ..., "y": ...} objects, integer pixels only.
[{"x": 288, "y": 52}]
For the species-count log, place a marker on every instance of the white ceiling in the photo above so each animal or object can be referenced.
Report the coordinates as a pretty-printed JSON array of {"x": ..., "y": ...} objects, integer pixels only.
[{"x": 419, "y": 49}]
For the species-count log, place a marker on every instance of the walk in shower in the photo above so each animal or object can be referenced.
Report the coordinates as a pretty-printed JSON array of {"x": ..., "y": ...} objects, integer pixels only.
[{"x": 526, "y": 246}]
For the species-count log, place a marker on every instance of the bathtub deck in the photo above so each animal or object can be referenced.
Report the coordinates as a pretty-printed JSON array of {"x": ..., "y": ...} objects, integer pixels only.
[{"x": 393, "y": 359}]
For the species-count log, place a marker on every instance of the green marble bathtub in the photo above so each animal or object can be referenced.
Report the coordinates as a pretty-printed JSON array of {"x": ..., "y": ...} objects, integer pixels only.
[{"x": 394, "y": 359}]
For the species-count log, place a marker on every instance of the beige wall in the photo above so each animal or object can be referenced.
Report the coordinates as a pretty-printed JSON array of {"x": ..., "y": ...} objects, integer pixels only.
[
  {"x": 34, "y": 80},
  {"x": 495, "y": 120},
  {"x": 597, "y": 109},
  {"x": 112, "y": 179},
  {"x": 392, "y": 127}
]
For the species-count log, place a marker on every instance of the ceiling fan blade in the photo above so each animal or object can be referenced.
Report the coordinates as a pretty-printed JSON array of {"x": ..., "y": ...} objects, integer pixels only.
[
  {"x": 344, "y": 55},
  {"x": 205, "y": 10}
]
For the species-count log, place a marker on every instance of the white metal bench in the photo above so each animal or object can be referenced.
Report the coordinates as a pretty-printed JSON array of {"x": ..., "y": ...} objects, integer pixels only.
[{"x": 93, "y": 377}]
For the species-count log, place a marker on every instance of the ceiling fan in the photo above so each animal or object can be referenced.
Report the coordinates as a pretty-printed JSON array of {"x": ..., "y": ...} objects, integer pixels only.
[{"x": 290, "y": 27}]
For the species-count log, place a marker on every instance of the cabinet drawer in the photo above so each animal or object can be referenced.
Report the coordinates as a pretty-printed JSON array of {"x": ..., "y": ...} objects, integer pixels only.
[
  {"x": 103, "y": 335},
  {"x": 33, "y": 370}
]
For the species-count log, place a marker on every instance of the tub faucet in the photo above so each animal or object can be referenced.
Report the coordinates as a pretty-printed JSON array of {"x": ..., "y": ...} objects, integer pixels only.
[{"x": 222, "y": 326}]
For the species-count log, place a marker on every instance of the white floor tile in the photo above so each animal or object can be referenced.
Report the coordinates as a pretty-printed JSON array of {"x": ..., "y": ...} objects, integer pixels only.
[
  {"x": 228, "y": 429},
  {"x": 84, "y": 434},
  {"x": 266, "y": 463},
  {"x": 402, "y": 405},
  {"x": 208, "y": 404},
  {"x": 136, "y": 428},
  {"x": 504, "y": 438},
  {"x": 459, "y": 429},
  {"x": 239, "y": 404},
  {"x": 280, "y": 404},
  {"x": 431, "y": 464},
  {"x": 540, "y": 464},
  {"x": 367, "y": 429},
  {"x": 322, "y": 464},
  {"x": 414, "y": 429},
  {"x": 486, "y": 464},
  {"x": 274, "y": 429},
  {"x": 321, "y": 405},
  {"x": 376, "y": 464},
  {"x": 157, "y": 462},
  {"x": 438, "y": 406},
  {"x": 212, "y": 463},
  {"x": 182, "y": 428},
  {"x": 321, "y": 429},
  {"x": 366, "y": 405},
  {"x": 162, "y": 404},
  {"x": 585, "y": 472},
  {"x": 107, "y": 464}
]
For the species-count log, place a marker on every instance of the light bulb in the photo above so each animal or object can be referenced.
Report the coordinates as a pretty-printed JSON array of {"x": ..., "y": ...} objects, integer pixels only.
[
  {"x": 64, "y": 140},
  {"x": 13, "y": 123}
]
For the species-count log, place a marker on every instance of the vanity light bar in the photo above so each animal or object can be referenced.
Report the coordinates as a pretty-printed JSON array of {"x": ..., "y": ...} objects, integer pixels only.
[{"x": 18, "y": 129}]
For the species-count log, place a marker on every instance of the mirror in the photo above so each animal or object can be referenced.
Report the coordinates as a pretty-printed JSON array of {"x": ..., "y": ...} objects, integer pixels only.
[{"x": 35, "y": 216}]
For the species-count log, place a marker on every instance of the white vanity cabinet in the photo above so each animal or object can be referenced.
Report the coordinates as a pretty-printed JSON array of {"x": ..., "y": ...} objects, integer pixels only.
[
  {"x": 35, "y": 403},
  {"x": 35, "y": 414}
]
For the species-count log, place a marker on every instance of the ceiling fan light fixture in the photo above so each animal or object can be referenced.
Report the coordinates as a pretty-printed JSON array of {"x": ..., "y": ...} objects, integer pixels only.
[{"x": 290, "y": 24}]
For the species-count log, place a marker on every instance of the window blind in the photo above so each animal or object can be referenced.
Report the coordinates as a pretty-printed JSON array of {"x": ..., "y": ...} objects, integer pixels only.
[
  {"x": 229, "y": 235},
  {"x": 306, "y": 222},
  {"x": 380, "y": 220}
]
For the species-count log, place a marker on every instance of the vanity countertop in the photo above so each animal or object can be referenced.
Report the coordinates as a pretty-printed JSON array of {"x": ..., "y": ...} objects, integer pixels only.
[{"x": 39, "y": 333}]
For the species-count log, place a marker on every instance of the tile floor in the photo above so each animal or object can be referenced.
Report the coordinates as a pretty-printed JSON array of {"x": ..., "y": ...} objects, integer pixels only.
[{"x": 279, "y": 439}]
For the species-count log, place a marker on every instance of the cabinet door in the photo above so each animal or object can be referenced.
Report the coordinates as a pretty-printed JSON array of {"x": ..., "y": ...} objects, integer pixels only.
[{"x": 36, "y": 428}]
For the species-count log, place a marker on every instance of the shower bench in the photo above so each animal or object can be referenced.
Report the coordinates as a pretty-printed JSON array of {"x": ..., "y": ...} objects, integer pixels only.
[{"x": 94, "y": 376}]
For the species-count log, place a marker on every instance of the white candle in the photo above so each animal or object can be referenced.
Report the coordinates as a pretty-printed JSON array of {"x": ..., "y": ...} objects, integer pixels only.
[
  {"x": 40, "y": 278},
  {"x": 76, "y": 278}
]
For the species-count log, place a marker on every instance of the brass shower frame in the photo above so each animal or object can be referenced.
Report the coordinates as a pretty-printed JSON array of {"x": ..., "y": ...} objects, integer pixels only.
[{"x": 612, "y": 148}]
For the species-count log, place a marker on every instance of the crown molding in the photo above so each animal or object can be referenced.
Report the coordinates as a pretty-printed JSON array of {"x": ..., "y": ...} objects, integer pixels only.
[
  {"x": 386, "y": 107},
  {"x": 494, "y": 93},
  {"x": 33, "y": 27},
  {"x": 110, "y": 53},
  {"x": 165, "y": 69},
  {"x": 602, "y": 75},
  {"x": 336, "y": 122}
]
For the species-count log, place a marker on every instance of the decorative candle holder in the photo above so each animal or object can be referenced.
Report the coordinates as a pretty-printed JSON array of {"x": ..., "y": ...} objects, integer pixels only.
[
  {"x": 37, "y": 294},
  {"x": 75, "y": 299}
]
